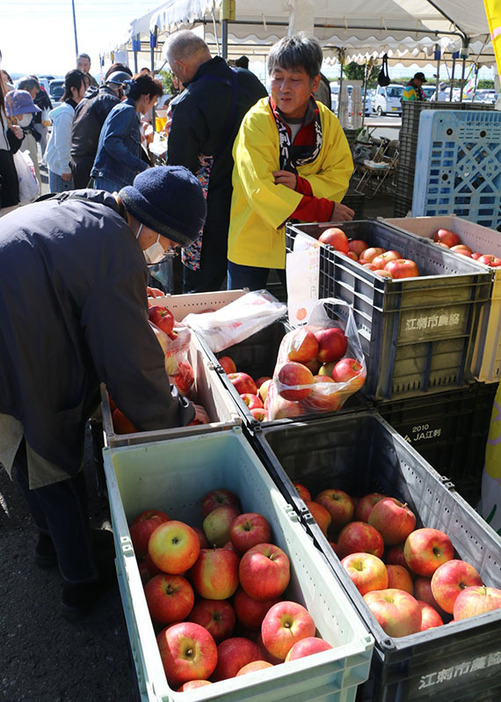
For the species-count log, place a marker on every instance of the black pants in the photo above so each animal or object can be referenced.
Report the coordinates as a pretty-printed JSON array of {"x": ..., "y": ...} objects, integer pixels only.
[
  {"x": 9, "y": 183},
  {"x": 60, "y": 510}
]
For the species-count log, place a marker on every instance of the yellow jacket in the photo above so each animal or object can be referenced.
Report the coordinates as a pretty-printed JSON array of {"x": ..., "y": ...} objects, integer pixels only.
[{"x": 259, "y": 208}]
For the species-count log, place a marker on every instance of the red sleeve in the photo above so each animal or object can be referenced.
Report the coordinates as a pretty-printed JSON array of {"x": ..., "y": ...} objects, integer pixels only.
[
  {"x": 313, "y": 209},
  {"x": 303, "y": 186}
]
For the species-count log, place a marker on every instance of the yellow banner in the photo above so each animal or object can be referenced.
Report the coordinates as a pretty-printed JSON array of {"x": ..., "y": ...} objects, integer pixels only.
[{"x": 493, "y": 12}]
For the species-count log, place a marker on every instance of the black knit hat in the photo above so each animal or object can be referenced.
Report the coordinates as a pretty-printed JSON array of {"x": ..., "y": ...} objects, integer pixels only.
[{"x": 169, "y": 200}]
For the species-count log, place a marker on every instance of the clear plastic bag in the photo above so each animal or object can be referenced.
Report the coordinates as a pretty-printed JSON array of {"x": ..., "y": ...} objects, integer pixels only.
[
  {"x": 238, "y": 320},
  {"x": 29, "y": 188},
  {"x": 176, "y": 352},
  {"x": 287, "y": 398}
]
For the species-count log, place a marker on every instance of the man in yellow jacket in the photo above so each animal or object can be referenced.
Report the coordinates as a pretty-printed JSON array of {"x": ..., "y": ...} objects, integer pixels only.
[{"x": 292, "y": 161}]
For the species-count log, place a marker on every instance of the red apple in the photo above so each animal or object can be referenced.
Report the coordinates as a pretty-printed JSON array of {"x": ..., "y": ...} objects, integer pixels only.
[
  {"x": 193, "y": 685},
  {"x": 382, "y": 259},
  {"x": 262, "y": 379},
  {"x": 143, "y": 527},
  {"x": 217, "y": 498},
  {"x": 402, "y": 268},
  {"x": 217, "y": 616},
  {"x": 285, "y": 624},
  {"x": 174, "y": 547},
  {"x": 260, "y": 414},
  {"x": 265, "y": 655},
  {"x": 367, "y": 571},
  {"x": 450, "y": 579},
  {"x": 307, "y": 647},
  {"x": 340, "y": 505},
  {"x": 201, "y": 537},
  {"x": 242, "y": 382},
  {"x": 252, "y": 401},
  {"x": 170, "y": 598},
  {"x": 295, "y": 381},
  {"x": 370, "y": 253},
  {"x": 249, "y": 529},
  {"x": 382, "y": 273},
  {"x": 426, "y": 549},
  {"x": 285, "y": 409},
  {"x": 184, "y": 378},
  {"x": 303, "y": 345},
  {"x": 188, "y": 652},
  {"x": 320, "y": 514},
  {"x": 336, "y": 238},
  {"x": 264, "y": 571},
  {"x": 397, "y": 612},
  {"x": 476, "y": 600},
  {"x": 476, "y": 255},
  {"x": 352, "y": 255},
  {"x": 430, "y": 618},
  {"x": 400, "y": 578},
  {"x": 250, "y": 613},
  {"x": 324, "y": 397},
  {"x": 365, "y": 504},
  {"x": 357, "y": 537},
  {"x": 263, "y": 389},
  {"x": 332, "y": 344},
  {"x": 303, "y": 491},
  {"x": 357, "y": 246},
  {"x": 217, "y": 524},
  {"x": 232, "y": 655},
  {"x": 447, "y": 237},
  {"x": 462, "y": 249},
  {"x": 394, "y": 555},
  {"x": 351, "y": 371},
  {"x": 422, "y": 592},
  {"x": 313, "y": 365},
  {"x": 490, "y": 260},
  {"x": 393, "y": 519},
  {"x": 162, "y": 318},
  {"x": 227, "y": 364},
  {"x": 215, "y": 573},
  {"x": 253, "y": 667}
]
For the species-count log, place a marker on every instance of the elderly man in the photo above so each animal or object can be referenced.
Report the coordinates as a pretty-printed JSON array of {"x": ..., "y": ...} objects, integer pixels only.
[
  {"x": 74, "y": 313},
  {"x": 83, "y": 64}
]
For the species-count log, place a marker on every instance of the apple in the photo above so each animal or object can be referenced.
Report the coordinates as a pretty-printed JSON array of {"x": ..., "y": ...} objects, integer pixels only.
[
  {"x": 143, "y": 527},
  {"x": 285, "y": 409},
  {"x": 426, "y": 549},
  {"x": 351, "y": 371},
  {"x": 402, "y": 268},
  {"x": 340, "y": 505},
  {"x": 249, "y": 529},
  {"x": 217, "y": 523},
  {"x": 266, "y": 655},
  {"x": 358, "y": 537},
  {"x": 352, "y": 255},
  {"x": 295, "y": 381},
  {"x": 422, "y": 592},
  {"x": 252, "y": 401},
  {"x": 217, "y": 616},
  {"x": 184, "y": 377},
  {"x": 370, "y": 253},
  {"x": 394, "y": 555},
  {"x": 217, "y": 498},
  {"x": 490, "y": 260},
  {"x": 263, "y": 389},
  {"x": 262, "y": 379},
  {"x": 170, "y": 598},
  {"x": 324, "y": 397},
  {"x": 193, "y": 685},
  {"x": 283, "y": 625},
  {"x": 232, "y": 655},
  {"x": 476, "y": 600},
  {"x": 260, "y": 414},
  {"x": 151, "y": 567},
  {"x": 365, "y": 504},
  {"x": 264, "y": 571},
  {"x": 201, "y": 537},
  {"x": 227, "y": 364},
  {"x": 249, "y": 612},
  {"x": 382, "y": 273},
  {"x": 400, "y": 578},
  {"x": 121, "y": 424},
  {"x": 357, "y": 246},
  {"x": 382, "y": 259},
  {"x": 326, "y": 369},
  {"x": 188, "y": 652},
  {"x": 367, "y": 571},
  {"x": 430, "y": 618},
  {"x": 476, "y": 255},
  {"x": 336, "y": 238},
  {"x": 393, "y": 519},
  {"x": 162, "y": 318},
  {"x": 462, "y": 249},
  {"x": 320, "y": 514},
  {"x": 314, "y": 365},
  {"x": 307, "y": 647},
  {"x": 334, "y": 547},
  {"x": 371, "y": 267},
  {"x": 447, "y": 237},
  {"x": 450, "y": 579},
  {"x": 253, "y": 667},
  {"x": 174, "y": 547},
  {"x": 332, "y": 344},
  {"x": 303, "y": 491},
  {"x": 397, "y": 612},
  {"x": 303, "y": 346},
  {"x": 242, "y": 382},
  {"x": 215, "y": 573}
]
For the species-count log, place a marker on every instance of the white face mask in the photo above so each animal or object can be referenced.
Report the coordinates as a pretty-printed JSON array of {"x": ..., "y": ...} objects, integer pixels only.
[
  {"x": 24, "y": 120},
  {"x": 154, "y": 253}
]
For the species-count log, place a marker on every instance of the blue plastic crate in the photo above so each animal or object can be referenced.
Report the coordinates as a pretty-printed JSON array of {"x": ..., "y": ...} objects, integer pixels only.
[{"x": 458, "y": 166}]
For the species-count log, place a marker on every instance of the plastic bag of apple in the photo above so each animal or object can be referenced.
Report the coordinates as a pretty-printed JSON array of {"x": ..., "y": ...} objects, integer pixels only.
[
  {"x": 215, "y": 594},
  {"x": 409, "y": 578},
  {"x": 319, "y": 365}
]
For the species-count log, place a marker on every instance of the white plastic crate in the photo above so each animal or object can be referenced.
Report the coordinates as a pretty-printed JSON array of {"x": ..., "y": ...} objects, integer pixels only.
[
  {"x": 458, "y": 165},
  {"x": 486, "y": 361},
  {"x": 174, "y": 476}
]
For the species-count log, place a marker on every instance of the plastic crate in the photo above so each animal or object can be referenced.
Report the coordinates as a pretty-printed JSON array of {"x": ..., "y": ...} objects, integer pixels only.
[
  {"x": 458, "y": 166},
  {"x": 449, "y": 429},
  {"x": 417, "y": 333},
  {"x": 175, "y": 476},
  {"x": 356, "y": 201},
  {"x": 360, "y": 454},
  {"x": 207, "y": 388},
  {"x": 486, "y": 363}
]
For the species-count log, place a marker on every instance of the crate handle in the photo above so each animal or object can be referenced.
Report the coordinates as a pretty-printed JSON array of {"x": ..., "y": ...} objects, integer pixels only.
[{"x": 447, "y": 482}]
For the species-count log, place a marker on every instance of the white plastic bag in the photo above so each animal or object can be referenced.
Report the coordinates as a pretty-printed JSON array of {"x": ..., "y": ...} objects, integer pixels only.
[
  {"x": 29, "y": 189},
  {"x": 238, "y": 320}
]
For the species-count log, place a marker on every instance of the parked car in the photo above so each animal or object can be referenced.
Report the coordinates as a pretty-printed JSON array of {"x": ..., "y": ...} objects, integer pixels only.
[
  {"x": 429, "y": 91},
  {"x": 388, "y": 99}
]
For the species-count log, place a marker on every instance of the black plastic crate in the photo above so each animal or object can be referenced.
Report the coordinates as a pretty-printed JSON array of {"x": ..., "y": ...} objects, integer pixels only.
[
  {"x": 449, "y": 429},
  {"x": 361, "y": 453},
  {"x": 355, "y": 200},
  {"x": 416, "y": 333},
  {"x": 402, "y": 204}
]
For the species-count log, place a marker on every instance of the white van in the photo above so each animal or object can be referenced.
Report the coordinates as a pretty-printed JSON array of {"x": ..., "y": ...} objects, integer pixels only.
[{"x": 388, "y": 99}]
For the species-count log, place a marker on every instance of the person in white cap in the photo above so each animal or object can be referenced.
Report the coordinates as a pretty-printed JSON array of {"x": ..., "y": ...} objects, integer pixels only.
[{"x": 442, "y": 95}]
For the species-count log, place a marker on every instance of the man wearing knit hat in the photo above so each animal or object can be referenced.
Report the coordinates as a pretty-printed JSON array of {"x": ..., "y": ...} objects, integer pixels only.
[{"x": 74, "y": 313}]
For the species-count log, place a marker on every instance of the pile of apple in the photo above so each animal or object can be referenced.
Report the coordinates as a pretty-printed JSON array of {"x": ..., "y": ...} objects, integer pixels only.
[
  {"x": 215, "y": 594},
  {"x": 408, "y": 577},
  {"x": 387, "y": 264},
  {"x": 253, "y": 392},
  {"x": 451, "y": 240}
]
